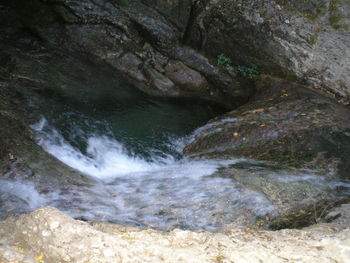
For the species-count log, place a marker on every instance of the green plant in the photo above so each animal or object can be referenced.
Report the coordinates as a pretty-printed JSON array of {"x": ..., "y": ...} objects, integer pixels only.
[
  {"x": 124, "y": 2},
  {"x": 313, "y": 39},
  {"x": 251, "y": 72},
  {"x": 224, "y": 62}
]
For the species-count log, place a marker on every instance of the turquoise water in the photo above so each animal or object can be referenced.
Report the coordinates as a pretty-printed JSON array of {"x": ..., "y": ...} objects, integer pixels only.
[{"x": 148, "y": 126}]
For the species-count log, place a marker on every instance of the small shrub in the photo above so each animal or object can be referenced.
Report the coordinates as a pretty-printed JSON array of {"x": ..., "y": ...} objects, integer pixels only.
[
  {"x": 224, "y": 62},
  {"x": 124, "y": 2},
  {"x": 251, "y": 72}
]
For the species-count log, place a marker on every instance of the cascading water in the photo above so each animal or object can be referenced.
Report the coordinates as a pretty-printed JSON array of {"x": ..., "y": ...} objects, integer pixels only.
[
  {"x": 133, "y": 155},
  {"x": 126, "y": 147},
  {"x": 141, "y": 180}
]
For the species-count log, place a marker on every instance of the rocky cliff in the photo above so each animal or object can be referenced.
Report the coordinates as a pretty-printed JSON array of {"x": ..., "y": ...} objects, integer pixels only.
[
  {"x": 281, "y": 67},
  {"x": 171, "y": 48}
]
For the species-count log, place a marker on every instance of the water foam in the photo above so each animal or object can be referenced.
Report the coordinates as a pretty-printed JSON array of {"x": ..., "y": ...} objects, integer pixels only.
[
  {"x": 20, "y": 196},
  {"x": 104, "y": 158},
  {"x": 162, "y": 192}
]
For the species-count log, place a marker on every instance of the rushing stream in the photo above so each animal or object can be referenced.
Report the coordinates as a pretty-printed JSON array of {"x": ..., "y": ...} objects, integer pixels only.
[
  {"x": 133, "y": 151},
  {"x": 128, "y": 147}
]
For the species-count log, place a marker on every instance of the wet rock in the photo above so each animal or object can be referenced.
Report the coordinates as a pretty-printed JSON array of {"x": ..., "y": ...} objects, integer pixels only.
[
  {"x": 158, "y": 34},
  {"x": 286, "y": 123},
  {"x": 131, "y": 66},
  {"x": 332, "y": 215},
  {"x": 298, "y": 197},
  {"x": 173, "y": 80},
  {"x": 74, "y": 77},
  {"x": 22, "y": 158},
  {"x": 48, "y": 235},
  {"x": 25, "y": 167}
]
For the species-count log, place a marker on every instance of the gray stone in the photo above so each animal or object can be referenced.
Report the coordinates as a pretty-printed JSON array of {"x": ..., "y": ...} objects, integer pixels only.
[
  {"x": 48, "y": 235},
  {"x": 307, "y": 40},
  {"x": 177, "y": 11},
  {"x": 110, "y": 29},
  {"x": 285, "y": 123},
  {"x": 189, "y": 81}
]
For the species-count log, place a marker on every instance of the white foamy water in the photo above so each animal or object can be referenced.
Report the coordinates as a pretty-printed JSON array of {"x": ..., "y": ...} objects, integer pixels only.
[
  {"x": 162, "y": 192},
  {"x": 19, "y": 195},
  {"x": 106, "y": 158}
]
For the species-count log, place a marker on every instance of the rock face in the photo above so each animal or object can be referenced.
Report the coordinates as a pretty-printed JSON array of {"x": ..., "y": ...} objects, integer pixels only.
[
  {"x": 307, "y": 40},
  {"x": 294, "y": 40},
  {"x": 48, "y": 235},
  {"x": 23, "y": 163},
  {"x": 285, "y": 123},
  {"x": 141, "y": 41}
]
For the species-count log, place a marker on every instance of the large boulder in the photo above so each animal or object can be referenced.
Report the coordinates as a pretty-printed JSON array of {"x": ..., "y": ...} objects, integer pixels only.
[
  {"x": 297, "y": 197},
  {"x": 284, "y": 122},
  {"x": 306, "y": 40},
  {"x": 48, "y": 235},
  {"x": 288, "y": 125}
]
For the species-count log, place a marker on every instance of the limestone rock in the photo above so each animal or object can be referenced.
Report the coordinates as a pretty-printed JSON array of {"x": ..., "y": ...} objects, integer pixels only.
[
  {"x": 187, "y": 79},
  {"x": 48, "y": 235},
  {"x": 286, "y": 123},
  {"x": 306, "y": 40},
  {"x": 296, "y": 200}
]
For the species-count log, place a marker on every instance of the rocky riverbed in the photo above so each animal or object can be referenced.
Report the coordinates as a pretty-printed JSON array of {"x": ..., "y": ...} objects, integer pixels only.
[{"x": 104, "y": 114}]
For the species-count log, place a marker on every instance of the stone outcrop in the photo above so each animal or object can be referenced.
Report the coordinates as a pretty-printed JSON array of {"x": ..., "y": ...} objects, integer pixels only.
[
  {"x": 298, "y": 40},
  {"x": 299, "y": 198},
  {"x": 170, "y": 48},
  {"x": 138, "y": 41},
  {"x": 285, "y": 123},
  {"x": 48, "y": 235}
]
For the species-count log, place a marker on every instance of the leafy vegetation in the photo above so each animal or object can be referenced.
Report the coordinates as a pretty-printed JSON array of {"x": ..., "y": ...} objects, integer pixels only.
[
  {"x": 251, "y": 72},
  {"x": 124, "y": 2},
  {"x": 224, "y": 62}
]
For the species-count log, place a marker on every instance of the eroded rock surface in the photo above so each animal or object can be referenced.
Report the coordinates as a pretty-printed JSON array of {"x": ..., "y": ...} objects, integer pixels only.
[
  {"x": 117, "y": 31},
  {"x": 284, "y": 122},
  {"x": 306, "y": 40},
  {"x": 24, "y": 165},
  {"x": 48, "y": 235},
  {"x": 294, "y": 40},
  {"x": 290, "y": 125},
  {"x": 145, "y": 40}
]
